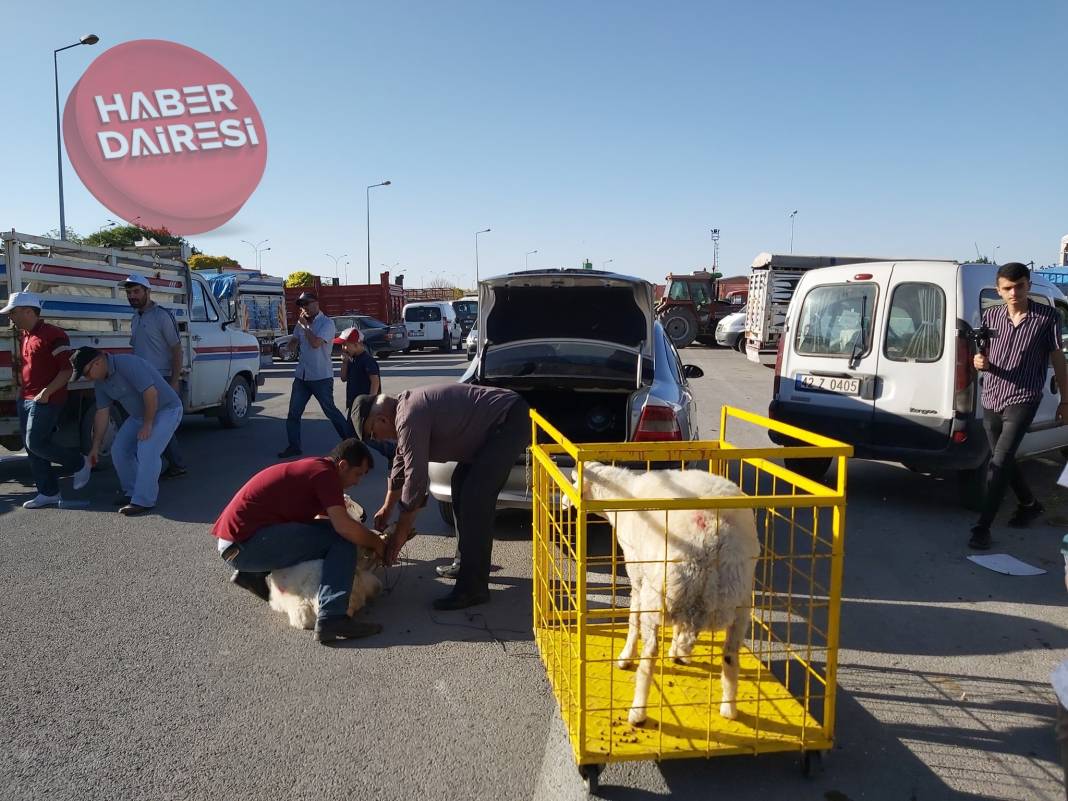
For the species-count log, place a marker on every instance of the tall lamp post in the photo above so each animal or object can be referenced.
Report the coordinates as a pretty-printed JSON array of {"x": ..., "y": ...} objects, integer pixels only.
[
  {"x": 336, "y": 260},
  {"x": 259, "y": 259},
  {"x": 372, "y": 186},
  {"x": 484, "y": 231},
  {"x": 526, "y": 260},
  {"x": 256, "y": 249},
  {"x": 88, "y": 39},
  {"x": 792, "y": 215},
  {"x": 606, "y": 262}
]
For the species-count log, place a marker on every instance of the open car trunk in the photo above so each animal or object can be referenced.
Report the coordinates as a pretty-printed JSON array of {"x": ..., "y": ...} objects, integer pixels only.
[{"x": 582, "y": 416}]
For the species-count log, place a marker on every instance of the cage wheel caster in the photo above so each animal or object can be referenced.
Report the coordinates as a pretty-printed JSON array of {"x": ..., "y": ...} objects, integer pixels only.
[
  {"x": 811, "y": 763},
  {"x": 591, "y": 775}
]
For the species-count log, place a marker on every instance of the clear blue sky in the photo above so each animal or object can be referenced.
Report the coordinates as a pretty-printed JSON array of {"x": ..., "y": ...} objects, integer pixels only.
[{"x": 618, "y": 131}]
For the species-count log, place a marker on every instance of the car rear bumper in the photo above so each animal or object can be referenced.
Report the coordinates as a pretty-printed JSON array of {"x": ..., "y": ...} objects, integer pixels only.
[
  {"x": 515, "y": 495},
  {"x": 870, "y": 440}
]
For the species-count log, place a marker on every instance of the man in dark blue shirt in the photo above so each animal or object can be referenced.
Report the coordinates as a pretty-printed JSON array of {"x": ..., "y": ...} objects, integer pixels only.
[{"x": 359, "y": 370}]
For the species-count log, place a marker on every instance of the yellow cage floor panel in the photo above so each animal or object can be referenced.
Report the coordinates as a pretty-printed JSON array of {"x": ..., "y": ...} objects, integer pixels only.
[{"x": 683, "y": 717}]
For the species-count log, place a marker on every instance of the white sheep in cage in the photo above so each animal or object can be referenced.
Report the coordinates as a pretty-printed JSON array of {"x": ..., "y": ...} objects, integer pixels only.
[{"x": 710, "y": 558}]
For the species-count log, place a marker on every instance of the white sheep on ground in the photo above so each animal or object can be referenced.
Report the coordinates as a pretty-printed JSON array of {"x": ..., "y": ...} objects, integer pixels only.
[
  {"x": 710, "y": 558},
  {"x": 295, "y": 589}
]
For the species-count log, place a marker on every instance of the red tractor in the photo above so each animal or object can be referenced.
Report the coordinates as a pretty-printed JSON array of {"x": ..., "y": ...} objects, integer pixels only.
[{"x": 691, "y": 307}]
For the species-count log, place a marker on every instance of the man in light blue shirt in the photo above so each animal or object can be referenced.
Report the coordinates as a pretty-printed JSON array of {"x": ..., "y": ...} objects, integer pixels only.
[
  {"x": 154, "y": 411},
  {"x": 314, "y": 376},
  {"x": 154, "y": 336}
]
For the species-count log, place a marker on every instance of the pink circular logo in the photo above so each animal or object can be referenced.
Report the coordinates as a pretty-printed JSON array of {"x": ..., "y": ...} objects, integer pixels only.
[{"x": 161, "y": 132}]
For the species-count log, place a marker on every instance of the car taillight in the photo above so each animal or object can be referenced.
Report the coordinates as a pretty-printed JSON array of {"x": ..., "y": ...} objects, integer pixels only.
[
  {"x": 657, "y": 424},
  {"x": 964, "y": 378},
  {"x": 778, "y": 355}
]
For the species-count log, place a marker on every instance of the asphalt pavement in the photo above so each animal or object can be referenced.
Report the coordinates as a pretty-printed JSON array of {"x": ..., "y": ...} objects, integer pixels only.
[{"x": 132, "y": 669}]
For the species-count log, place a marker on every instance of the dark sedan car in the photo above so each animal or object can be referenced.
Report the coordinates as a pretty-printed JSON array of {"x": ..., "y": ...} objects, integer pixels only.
[{"x": 381, "y": 339}]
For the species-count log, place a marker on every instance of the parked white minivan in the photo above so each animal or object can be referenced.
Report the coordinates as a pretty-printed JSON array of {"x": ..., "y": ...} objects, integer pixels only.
[
  {"x": 432, "y": 324},
  {"x": 878, "y": 355}
]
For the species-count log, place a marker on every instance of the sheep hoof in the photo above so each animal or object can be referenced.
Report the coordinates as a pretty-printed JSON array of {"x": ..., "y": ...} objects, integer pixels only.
[
  {"x": 636, "y": 716},
  {"x": 624, "y": 664},
  {"x": 728, "y": 710},
  {"x": 682, "y": 660}
]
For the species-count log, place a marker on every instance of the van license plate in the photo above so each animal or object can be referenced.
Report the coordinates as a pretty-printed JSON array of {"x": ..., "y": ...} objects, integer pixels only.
[
  {"x": 824, "y": 383},
  {"x": 413, "y": 332}
]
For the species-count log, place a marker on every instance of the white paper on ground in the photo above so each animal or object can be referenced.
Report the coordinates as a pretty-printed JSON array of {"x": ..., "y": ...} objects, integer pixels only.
[{"x": 1003, "y": 563}]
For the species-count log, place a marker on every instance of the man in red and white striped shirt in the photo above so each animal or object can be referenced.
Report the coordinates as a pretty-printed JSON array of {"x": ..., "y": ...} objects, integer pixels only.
[{"x": 1025, "y": 341}]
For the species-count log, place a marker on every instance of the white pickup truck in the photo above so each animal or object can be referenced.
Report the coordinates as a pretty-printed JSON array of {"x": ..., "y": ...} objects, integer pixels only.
[{"x": 79, "y": 287}]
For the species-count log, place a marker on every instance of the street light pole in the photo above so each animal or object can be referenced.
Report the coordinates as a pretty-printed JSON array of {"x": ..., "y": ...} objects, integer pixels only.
[
  {"x": 256, "y": 250},
  {"x": 606, "y": 262},
  {"x": 527, "y": 258},
  {"x": 372, "y": 186},
  {"x": 792, "y": 215},
  {"x": 484, "y": 231},
  {"x": 336, "y": 260},
  {"x": 88, "y": 39},
  {"x": 259, "y": 260}
]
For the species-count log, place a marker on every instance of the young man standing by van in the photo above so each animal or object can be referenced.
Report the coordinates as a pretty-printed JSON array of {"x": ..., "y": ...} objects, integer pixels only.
[{"x": 1026, "y": 338}]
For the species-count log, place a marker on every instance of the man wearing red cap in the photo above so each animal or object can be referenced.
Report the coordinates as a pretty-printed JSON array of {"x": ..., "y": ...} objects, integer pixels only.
[{"x": 359, "y": 369}]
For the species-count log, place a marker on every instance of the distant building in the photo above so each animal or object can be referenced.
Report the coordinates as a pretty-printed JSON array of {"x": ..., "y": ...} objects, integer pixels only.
[{"x": 1063, "y": 261}]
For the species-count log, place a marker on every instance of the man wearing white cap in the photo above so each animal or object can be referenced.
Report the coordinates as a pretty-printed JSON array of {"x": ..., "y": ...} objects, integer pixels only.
[
  {"x": 154, "y": 337},
  {"x": 45, "y": 371}
]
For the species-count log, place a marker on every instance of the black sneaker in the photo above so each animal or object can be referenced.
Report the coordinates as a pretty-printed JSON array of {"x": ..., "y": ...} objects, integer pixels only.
[
  {"x": 290, "y": 451},
  {"x": 1025, "y": 514},
  {"x": 326, "y": 631},
  {"x": 121, "y": 500},
  {"x": 461, "y": 599},
  {"x": 256, "y": 583},
  {"x": 980, "y": 540},
  {"x": 173, "y": 471}
]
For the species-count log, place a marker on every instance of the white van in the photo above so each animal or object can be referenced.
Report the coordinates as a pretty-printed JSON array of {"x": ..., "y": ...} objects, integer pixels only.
[
  {"x": 432, "y": 323},
  {"x": 878, "y": 355}
]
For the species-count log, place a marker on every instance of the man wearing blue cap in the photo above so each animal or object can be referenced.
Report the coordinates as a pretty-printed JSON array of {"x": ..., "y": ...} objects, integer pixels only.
[{"x": 154, "y": 337}]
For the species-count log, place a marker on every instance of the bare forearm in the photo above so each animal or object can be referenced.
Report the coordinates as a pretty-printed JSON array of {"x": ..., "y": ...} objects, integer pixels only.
[
  {"x": 376, "y": 385},
  {"x": 176, "y": 364},
  {"x": 100, "y": 425}
]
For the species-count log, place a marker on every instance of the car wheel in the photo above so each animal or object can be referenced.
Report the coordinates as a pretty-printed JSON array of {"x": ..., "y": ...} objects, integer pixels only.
[
  {"x": 383, "y": 354},
  {"x": 237, "y": 404},
  {"x": 680, "y": 326},
  {"x": 739, "y": 344}
]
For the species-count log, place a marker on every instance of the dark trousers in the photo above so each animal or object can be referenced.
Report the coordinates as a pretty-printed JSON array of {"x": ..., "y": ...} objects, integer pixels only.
[
  {"x": 323, "y": 391},
  {"x": 1005, "y": 431},
  {"x": 475, "y": 487}
]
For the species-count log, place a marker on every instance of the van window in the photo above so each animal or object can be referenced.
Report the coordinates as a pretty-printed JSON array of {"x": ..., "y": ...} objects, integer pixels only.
[
  {"x": 422, "y": 314},
  {"x": 836, "y": 318},
  {"x": 916, "y": 324}
]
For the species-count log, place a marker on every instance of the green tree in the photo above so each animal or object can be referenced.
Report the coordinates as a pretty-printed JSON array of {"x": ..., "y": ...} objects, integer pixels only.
[
  {"x": 124, "y": 236},
  {"x": 300, "y": 278},
  {"x": 202, "y": 261}
]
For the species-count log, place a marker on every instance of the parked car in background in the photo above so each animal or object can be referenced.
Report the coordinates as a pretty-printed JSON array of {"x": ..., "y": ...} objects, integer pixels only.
[
  {"x": 471, "y": 342},
  {"x": 432, "y": 324},
  {"x": 599, "y": 367},
  {"x": 730, "y": 333},
  {"x": 466, "y": 312},
  {"x": 381, "y": 339}
]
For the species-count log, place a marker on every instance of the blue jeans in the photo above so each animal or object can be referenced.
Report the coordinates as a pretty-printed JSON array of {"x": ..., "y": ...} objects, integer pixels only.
[
  {"x": 138, "y": 463},
  {"x": 322, "y": 391},
  {"x": 38, "y": 422},
  {"x": 285, "y": 544}
]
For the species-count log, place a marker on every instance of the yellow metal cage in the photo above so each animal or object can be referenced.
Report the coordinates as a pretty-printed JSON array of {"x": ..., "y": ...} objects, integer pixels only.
[{"x": 788, "y": 659}]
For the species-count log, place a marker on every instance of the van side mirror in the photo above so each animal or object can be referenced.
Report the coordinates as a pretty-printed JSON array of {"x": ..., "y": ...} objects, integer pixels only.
[{"x": 692, "y": 371}]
